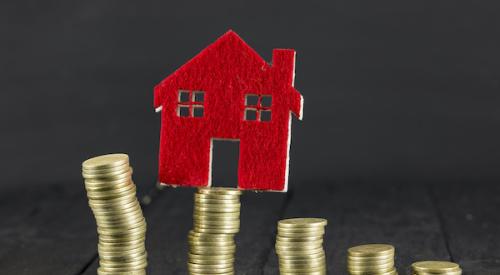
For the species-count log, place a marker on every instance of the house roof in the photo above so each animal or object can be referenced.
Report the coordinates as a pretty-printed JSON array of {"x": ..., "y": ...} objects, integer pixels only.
[
  {"x": 230, "y": 42},
  {"x": 229, "y": 38}
]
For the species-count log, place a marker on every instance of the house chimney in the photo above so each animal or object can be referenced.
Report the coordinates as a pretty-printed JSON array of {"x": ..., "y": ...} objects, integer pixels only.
[{"x": 284, "y": 64}]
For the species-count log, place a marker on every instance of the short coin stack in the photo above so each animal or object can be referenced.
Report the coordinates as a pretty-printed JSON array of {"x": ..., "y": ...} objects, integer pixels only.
[
  {"x": 436, "y": 267},
  {"x": 299, "y": 245},
  {"x": 216, "y": 220},
  {"x": 371, "y": 259},
  {"x": 120, "y": 223}
]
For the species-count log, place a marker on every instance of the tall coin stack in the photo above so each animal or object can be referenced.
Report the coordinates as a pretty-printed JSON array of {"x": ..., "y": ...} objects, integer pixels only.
[
  {"x": 216, "y": 220},
  {"x": 435, "y": 267},
  {"x": 299, "y": 245},
  {"x": 120, "y": 223},
  {"x": 371, "y": 259}
]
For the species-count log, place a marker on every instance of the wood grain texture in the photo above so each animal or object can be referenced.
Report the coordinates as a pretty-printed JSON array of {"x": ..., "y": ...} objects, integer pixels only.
[
  {"x": 471, "y": 222},
  {"x": 45, "y": 229},
  {"x": 50, "y": 229},
  {"x": 259, "y": 214}
]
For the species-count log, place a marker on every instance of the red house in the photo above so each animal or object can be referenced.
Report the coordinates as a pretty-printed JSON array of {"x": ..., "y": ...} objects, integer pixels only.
[{"x": 228, "y": 92}]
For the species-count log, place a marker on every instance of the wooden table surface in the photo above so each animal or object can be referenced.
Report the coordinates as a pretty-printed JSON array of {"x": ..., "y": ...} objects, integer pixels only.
[{"x": 49, "y": 229}]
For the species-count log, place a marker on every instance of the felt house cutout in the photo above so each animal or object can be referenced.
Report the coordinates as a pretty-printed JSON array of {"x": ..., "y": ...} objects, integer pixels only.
[{"x": 228, "y": 92}]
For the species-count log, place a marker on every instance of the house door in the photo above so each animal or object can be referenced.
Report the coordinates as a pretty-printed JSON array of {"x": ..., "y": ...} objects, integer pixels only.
[{"x": 225, "y": 156}]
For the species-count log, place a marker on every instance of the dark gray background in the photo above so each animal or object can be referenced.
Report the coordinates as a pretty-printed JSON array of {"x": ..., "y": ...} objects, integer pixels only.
[{"x": 395, "y": 91}]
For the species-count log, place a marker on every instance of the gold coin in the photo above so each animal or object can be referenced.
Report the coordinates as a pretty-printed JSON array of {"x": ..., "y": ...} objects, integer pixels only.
[
  {"x": 126, "y": 209},
  {"x": 300, "y": 234},
  {"x": 367, "y": 268},
  {"x": 393, "y": 271},
  {"x": 216, "y": 201},
  {"x": 103, "y": 206},
  {"x": 302, "y": 222},
  {"x": 209, "y": 257},
  {"x": 370, "y": 260},
  {"x": 134, "y": 272},
  {"x": 124, "y": 166},
  {"x": 121, "y": 239},
  {"x": 300, "y": 252},
  {"x": 121, "y": 270},
  {"x": 312, "y": 255},
  {"x": 205, "y": 261},
  {"x": 323, "y": 272},
  {"x": 133, "y": 247},
  {"x": 105, "y": 161},
  {"x": 119, "y": 223},
  {"x": 115, "y": 266},
  {"x": 209, "y": 270},
  {"x": 206, "y": 210},
  {"x": 211, "y": 241},
  {"x": 281, "y": 246},
  {"x": 121, "y": 252},
  {"x": 204, "y": 236},
  {"x": 368, "y": 250},
  {"x": 378, "y": 258},
  {"x": 302, "y": 263},
  {"x": 140, "y": 231},
  {"x": 105, "y": 179},
  {"x": 217, "y": 223},
  {"x": 210, "y": 266},
  {"x": 128, "y": 215},
  {"x": 298, "y": 239},
  {"x": 120, "y": 246},
  {"x": 219, "y": 218},
  {"x": 109, "y": 174},
  {"x": 128, "y": 257},
  {"x": 107, "y": 187},
  {"x": 212, "y": 215},
  {"x": 219, "y": 190},
  {"x": 217, "y": 197},
  {"x": 114, "y": 201},
  {"x": 106, "y": 183},
  {"x": 218, "y": 230},
  {"x": 111, "y": 194},
  {"x": 435, "y": 266},
  {"x": 304, "y": 269},
  {"x": 299, "y": 243}
]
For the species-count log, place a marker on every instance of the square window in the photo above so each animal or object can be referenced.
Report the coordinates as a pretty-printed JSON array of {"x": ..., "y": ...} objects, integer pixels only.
[
  {"x": 198, "y": 111},
  {"x": 183, "y": 111},
  {"x": 265, "y": 115},
  {"x": 250, "y": 114},
  {"x": 266, "y": 101},
  {"x": 251, "y": 100},
  {"x": 198, "y": 96},
  {"x": 183, "y": 96}
]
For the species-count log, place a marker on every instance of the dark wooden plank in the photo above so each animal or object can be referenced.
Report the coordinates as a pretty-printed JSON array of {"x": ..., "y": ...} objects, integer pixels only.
[
  {"x": 45, "y": 229},
  {"x": 400, "y": 215},
  {"x": 259, "y": 214},
  {"x": 471, "y": 221},
  {"x": 169, "y": 218}
]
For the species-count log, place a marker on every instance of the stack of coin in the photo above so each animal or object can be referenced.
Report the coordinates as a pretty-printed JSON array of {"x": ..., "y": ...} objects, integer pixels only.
[
  {"x": 299, "y": 245},
  {"x": 120, "y": 223},
  {"x": 216, "y": 220},
  {"x": 436, "y": 267},
  {"x": 371, "y": 259}
]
